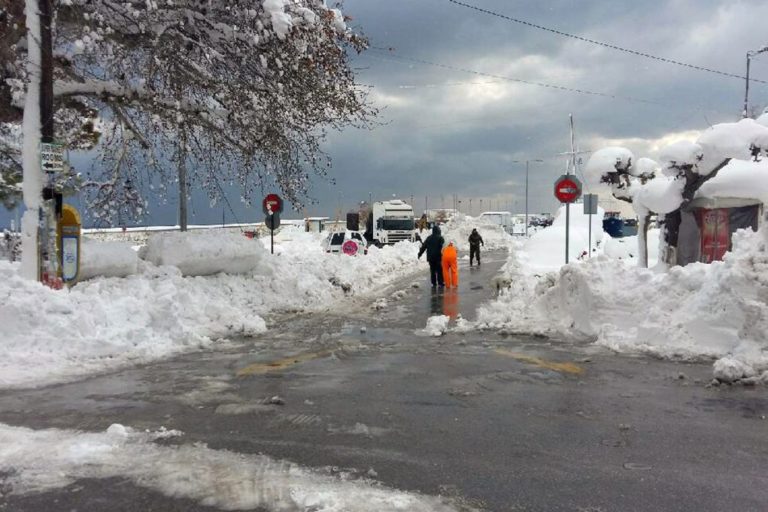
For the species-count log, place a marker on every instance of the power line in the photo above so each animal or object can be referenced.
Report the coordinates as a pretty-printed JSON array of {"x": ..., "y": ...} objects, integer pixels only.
[
  {"x": 518, "y": 80},
  {"x": 605, "y": 45}
]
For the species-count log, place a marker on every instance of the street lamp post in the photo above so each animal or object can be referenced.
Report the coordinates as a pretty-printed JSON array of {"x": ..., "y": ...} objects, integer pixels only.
[
  {"x": 750, "y": 54},
  {"x": 526, "y": 188}
]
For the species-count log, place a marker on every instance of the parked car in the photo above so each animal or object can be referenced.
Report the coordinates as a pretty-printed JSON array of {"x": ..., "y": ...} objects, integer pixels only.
[{"x": 351, "y": 243}]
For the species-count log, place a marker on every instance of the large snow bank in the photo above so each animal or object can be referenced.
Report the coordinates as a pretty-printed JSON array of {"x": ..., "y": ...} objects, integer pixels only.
[
  {"x": 460, "y": 227},
  {"x": 626, "y": 248},
  {"x": 202, "y": 253},
  {"x": 107, "y": 259},
  {"x": 698, "y": 311},
  {"x": 106, "y": 323},
  {"x": 44, "y": 460},
  {"x": 545, "y": 250}
]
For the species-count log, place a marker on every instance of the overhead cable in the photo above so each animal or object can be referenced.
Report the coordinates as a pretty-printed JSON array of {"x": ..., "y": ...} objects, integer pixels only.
[{"x": 605, "y": 45}]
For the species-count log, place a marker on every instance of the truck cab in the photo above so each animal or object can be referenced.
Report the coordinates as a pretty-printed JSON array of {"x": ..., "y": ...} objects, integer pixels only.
[{"x": 391, "y": 222}]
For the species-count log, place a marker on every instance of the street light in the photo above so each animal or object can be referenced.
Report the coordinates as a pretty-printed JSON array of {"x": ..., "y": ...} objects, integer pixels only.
[
  {"x": 750, "y": 54},
  {"x": 526, "y": 188}
]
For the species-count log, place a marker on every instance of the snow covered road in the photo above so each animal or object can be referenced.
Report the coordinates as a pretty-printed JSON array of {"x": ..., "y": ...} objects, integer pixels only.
[{"x": 481, "y": 420}]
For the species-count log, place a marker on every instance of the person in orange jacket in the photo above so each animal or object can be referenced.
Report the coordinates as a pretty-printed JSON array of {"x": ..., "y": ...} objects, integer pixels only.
[{"x": 450, "y": 266}]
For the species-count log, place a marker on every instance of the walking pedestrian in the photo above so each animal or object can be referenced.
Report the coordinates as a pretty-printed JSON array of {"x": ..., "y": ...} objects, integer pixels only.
[
  {"x": 451, "y": 266},
  {"x": 475, "y": 241},
  {"x": 433, "y": 246}
]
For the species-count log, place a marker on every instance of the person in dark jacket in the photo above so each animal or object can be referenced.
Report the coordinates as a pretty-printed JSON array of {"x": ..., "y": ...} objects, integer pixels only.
[
  {"x": 475, "y": 240},
  {"x": 433, "y": 246}
]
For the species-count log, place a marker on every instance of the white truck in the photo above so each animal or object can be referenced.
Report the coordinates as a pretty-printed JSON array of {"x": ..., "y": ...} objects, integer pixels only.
[
  {"x": 503, "y": 219},
  {"x": 391, "y": 222}
]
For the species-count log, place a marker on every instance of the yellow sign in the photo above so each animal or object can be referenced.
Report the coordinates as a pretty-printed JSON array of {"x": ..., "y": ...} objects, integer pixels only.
[{"x": 69, "y": 244}]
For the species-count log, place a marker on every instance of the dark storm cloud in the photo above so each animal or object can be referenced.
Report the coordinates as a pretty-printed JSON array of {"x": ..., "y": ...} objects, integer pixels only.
[
  {"x": 454, "y": 132},
  {"x": 445, "y": 131}
]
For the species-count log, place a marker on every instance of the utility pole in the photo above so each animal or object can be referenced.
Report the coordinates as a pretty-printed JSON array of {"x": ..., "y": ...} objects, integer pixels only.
[
  {"x": 46, "y": 71},
  {"x": 750, "y": 54},
  {"x": 526, "y": 188}
]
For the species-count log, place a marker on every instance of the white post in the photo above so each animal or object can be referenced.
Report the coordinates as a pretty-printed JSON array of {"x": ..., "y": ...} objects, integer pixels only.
[
  {"x": 526, "y": 199},
  {"x": 32, "y": 169}
]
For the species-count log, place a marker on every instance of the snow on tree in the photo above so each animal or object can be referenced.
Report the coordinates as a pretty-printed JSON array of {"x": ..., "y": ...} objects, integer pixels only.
[
  {"x": 685, "y": 167},
  {"x": 234, "y": 91}
]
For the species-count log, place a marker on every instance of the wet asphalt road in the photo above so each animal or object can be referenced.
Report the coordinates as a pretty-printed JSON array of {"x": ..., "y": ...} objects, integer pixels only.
[{"x": 501, "y": 423}]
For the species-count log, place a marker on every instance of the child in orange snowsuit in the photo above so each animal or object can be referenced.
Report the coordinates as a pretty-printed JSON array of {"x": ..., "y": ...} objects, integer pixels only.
[{"x": 450, "y": 266}]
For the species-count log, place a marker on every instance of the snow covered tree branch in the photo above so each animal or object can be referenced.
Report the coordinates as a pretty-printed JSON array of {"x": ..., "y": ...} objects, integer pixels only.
[{"x": 252, "y": 84}]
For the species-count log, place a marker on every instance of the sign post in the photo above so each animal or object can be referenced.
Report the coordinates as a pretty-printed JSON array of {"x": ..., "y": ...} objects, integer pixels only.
[
  {"x": 52, "y": 159},
  {"x": 272, "y": 221},
  {"x": 273, "y": 207},
  {"x": 590, "y": 209},
  {"x": 567, "y": 191}
]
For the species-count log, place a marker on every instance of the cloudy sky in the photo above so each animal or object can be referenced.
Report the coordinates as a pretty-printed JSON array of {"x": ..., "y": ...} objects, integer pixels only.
[{"x": 448, "y": 131}]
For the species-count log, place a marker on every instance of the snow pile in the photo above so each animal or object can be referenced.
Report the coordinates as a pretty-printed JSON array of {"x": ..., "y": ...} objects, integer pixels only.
[
  {"x": 739, "y": 179},
  {"x": 107, "y": 323},
  {"x": 626, "y": 248},
  {"x": 545, "y": 250},
  {"x": 43, "y": 460},
  {"x": 436, "y": 325},
  {"x": 730, "y": 370},
  {"x": 204, "y": 253},
  {"x": 460, "y": 227},
  {"x": 107, "y": 259},
  {"x": 661, "y": 195},
  {"x": 281, "y": 21},
  {"x": 698, "y": 311}
]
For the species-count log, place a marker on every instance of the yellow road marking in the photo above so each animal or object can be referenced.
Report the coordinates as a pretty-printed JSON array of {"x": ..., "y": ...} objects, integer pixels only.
[
  {"x": 281, "y": 364},
  {"x": 543, "y": 363}
]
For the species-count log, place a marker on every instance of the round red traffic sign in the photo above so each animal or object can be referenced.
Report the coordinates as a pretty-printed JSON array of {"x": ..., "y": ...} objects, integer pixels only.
[
  {"x": 272, "y": 203},
  {"x": 350, "y": 248},
  {"x": 567, "y": 188}
]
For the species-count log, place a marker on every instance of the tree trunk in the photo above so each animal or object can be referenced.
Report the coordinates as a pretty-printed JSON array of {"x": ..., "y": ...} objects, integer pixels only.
[
  {"x": 642, "y": 240},
  {"x": 183, "y": 188},
  {"x": 672, "y": 220}
]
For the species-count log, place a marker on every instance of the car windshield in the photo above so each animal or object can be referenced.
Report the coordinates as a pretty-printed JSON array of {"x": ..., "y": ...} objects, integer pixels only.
[
  {"x": 337, "y": 238},
  {"x": 397, "y": 224}
]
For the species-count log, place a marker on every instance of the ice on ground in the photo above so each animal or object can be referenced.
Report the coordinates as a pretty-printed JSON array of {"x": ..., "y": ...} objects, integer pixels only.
[
  {"x": 437, "y": 325},
  {"x": 106, "y": 323},
  {"x": 34, "y": 461},
  {"x": 693, "y": 312},
  {"x": 107, "y": 259}
]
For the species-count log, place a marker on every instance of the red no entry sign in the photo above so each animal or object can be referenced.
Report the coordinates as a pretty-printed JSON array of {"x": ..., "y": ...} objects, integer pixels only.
[
  {"x": 567, "y": 188},
  {"x": 272, "y": 203}
]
